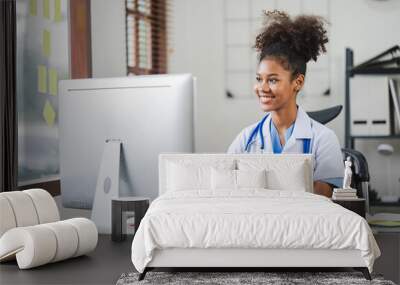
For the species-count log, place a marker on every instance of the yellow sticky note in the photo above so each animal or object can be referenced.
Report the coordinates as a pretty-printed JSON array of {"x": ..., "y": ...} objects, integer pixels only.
[
  {"x": 53, "y": 81},
  {"x": 33, "y": 7},
  {"x": 49, "y": 114},
  {"x": 42, "y": 79},
  {"x": 46, "y": 43},
  {"x": 57, "y": 10},
  {"x": 46, "y": 9}
]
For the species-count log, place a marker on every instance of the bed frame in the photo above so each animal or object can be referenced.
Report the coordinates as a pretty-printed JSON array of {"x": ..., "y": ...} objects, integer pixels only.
[
  {"x": 242, "y": 259},
  {"x": 246, "y": 258}
]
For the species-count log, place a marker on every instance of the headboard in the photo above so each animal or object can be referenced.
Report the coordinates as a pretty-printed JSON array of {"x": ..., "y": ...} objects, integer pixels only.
[{"x": 284, "y": 166}]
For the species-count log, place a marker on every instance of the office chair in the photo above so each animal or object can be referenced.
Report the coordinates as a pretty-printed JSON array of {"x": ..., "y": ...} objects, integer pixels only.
[
  {"x": 360, "y": 179},
  {"x": 326, "y": 115}
]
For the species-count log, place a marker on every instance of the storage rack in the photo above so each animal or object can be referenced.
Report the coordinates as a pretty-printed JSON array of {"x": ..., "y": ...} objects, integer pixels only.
[{"x": 351, "y": 71}]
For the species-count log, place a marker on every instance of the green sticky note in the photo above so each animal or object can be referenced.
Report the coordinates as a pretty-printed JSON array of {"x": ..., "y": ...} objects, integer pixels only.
[
  {"x": 53, "y": 81},
  {"x": 46, "y": 44},
  {"x": 46, "y": 9},
  {"x": 49, "y": 114},
  {"x": 42, "y": 79},
  {"x": 33, "y": 7},
  {"x": 57, "y": 10}
]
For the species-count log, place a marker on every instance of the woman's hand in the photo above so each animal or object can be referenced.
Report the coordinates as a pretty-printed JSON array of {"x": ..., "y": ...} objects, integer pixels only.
[{"x": 322, "y": 188}]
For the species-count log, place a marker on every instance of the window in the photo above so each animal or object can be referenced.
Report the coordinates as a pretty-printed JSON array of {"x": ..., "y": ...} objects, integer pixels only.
[
  {"x": 42, "y": 53},
  {"x": 146, "y": 29}
]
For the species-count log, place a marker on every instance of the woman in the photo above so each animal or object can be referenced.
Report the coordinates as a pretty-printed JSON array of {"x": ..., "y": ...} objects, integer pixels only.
[{"x": 285, "y": 46}]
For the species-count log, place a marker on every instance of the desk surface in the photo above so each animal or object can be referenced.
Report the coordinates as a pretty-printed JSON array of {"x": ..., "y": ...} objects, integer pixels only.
[
  {"x": 102, "y": 266},
  {"x": 377, "y": 230}
]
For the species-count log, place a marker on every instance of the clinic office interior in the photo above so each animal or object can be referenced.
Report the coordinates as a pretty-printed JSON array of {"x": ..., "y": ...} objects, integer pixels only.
[{"x": 201, "y": 38}]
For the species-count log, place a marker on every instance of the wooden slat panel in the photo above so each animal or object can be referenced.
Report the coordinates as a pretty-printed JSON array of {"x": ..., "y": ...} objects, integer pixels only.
[
  {"x": 159, "y": 37},
  {"x": 80, "y": 33}
]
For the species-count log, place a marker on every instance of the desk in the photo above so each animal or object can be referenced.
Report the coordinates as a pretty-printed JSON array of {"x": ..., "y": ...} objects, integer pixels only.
[
  {"x": 139, "y": 205},
  {"x": 356, "y": 205}
]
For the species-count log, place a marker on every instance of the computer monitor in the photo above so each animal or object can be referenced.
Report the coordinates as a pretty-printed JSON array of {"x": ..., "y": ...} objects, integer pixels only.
[{"x": 149, "y": 114}]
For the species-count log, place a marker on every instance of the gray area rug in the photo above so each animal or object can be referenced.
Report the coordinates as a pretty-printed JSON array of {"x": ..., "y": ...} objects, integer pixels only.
[{"x": 228, "y": 278}]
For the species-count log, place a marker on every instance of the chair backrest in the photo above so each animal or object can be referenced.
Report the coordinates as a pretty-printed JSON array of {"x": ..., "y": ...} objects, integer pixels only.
[
  {"x": 326, "y": 115},
  {"x": 26, "y": 208}
]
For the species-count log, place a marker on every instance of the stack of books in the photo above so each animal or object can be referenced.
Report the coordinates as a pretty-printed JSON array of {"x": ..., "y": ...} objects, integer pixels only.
[{"x": 344, "y": 194}]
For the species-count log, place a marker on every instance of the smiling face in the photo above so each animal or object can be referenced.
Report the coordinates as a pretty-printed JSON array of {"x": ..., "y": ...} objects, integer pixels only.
[{"x": 275, "y": 87}]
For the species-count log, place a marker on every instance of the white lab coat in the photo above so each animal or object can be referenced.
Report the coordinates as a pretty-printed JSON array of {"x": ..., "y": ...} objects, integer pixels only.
[{"x": 325, "y": 147}]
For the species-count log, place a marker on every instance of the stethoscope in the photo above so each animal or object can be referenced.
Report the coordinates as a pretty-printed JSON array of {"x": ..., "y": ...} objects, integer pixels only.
[{"x": 259, "y": 129}]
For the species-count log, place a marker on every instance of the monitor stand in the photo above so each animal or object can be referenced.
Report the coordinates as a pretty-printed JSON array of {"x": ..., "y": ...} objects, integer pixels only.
[{"x": 107, "y": 186}]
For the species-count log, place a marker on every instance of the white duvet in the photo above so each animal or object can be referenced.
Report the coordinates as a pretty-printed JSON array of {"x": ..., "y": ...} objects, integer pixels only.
[{"x": 250, "y": 219}]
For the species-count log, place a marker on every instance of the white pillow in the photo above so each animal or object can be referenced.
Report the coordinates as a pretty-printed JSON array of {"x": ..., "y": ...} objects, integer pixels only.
[
  {"x": 289, "y": 174},
  {"x": 223, "y": 179},
  {"x": 237, "y": 179},
  {"x": 182, "y": 177},
  {"x": 297, "y": 179},
  {"x": 251, "y": 178},
  {"x": 192, "y": 174}
]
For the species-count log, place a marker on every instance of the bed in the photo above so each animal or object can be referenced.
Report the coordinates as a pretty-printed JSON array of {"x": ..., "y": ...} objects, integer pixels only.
[{"x": 247, "y": 210}]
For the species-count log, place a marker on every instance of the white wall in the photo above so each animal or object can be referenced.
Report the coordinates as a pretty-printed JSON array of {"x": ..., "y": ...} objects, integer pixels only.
[
  {"x": 197, "y": 46},
  {"x": 108, "y": 38},
  {"x": 373, "y": 31},
  {"x": 69, "y": 213}
]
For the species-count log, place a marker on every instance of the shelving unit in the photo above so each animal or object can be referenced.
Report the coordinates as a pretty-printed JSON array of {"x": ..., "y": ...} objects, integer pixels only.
[
  {"x": 352, "y": 71},
  {"x": 368, "y": 68}
]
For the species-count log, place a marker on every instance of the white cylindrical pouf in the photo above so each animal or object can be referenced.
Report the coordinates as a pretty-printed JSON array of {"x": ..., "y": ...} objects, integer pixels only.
[
  {"x": 40, "y": 247},
  {"x": 67, "y": 240},
  {"x": 87, "y": 234},
  {"x": 7, "y": 218},
  {"x": 45, "y": 205},
  {"x": 10, "y": 244},
  {"x": 34, "y": 246},
  {"x": 24, "y": 210}
]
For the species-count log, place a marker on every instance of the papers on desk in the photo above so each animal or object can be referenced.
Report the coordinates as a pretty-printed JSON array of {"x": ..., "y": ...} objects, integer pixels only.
[
  {"x": 384, "y": 220},
  {"x": 344, "y": 194}
]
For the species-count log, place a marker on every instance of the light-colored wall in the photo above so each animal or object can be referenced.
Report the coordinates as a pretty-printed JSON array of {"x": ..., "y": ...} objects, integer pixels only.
[
  {"x": 196, "y": 45},
  {"x": 368, "y": 27},
  {"x": 108, "y": 38},
  {"x": 69, "y": 213}
]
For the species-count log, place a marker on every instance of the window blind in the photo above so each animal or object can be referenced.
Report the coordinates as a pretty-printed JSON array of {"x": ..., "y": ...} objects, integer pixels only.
[{"x": 146, "y": 36}]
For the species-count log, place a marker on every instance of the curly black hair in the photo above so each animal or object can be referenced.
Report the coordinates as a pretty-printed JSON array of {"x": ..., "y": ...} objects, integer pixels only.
[{"x": 293, "y": 42}]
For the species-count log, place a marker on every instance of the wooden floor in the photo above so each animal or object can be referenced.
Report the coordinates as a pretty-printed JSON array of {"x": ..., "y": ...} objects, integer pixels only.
[{"x": 102, "y": 266}]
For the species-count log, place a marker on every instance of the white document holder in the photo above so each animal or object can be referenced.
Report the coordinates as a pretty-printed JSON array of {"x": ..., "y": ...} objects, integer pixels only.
[{"x": 369, "y": 106}]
